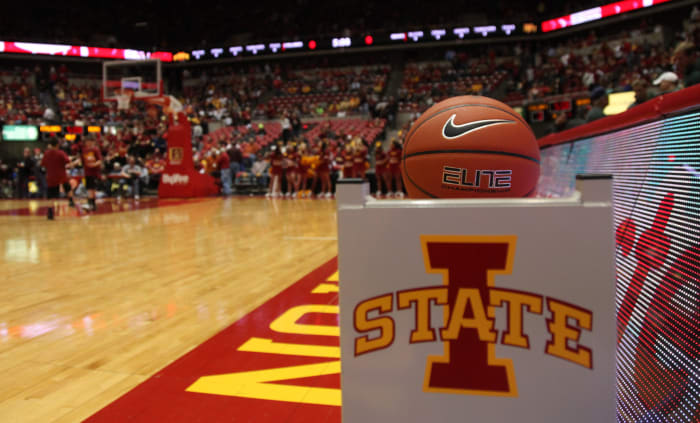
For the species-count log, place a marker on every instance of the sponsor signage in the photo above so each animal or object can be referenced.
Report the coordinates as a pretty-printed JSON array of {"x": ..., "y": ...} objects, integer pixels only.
[
  {"x": 20, "y": 133},
  {"x": 175, "y": 178}
]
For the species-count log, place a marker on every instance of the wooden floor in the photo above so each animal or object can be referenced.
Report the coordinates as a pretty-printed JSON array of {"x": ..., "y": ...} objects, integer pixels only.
[{"x": 90, "y": 307}]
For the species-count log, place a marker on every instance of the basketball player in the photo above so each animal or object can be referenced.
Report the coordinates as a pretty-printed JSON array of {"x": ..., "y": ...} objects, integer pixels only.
[
  {"x": 381, "y": 164},
  {"x": 395, "y": 169},
  {"x": 92, "y": 165},
  {"x": 55, "y": 162}
]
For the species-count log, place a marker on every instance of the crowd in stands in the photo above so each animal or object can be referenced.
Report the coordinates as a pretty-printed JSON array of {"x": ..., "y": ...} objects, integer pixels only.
[
  {"x": 518, "y": 73},
  {"x": 305, "y": 106}
]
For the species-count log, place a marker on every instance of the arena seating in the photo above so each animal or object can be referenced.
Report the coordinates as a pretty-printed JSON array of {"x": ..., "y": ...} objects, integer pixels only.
[{"x": 367, "y": 130}]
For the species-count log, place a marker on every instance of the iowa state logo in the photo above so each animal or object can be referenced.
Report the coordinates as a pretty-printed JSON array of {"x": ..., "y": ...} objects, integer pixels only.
[{"x": 469, "y": 297}]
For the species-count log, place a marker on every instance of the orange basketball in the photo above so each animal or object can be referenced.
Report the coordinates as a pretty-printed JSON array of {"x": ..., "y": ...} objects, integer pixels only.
[{"x": 470, "y": 147}]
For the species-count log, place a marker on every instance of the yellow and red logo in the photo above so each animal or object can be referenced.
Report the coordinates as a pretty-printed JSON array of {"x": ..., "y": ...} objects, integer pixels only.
[
  {"x": 175, "y": 155},
  {"x": 468, "y": 265}
]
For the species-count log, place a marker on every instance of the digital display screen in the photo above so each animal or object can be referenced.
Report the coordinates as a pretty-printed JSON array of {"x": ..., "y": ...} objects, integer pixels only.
[
  {"x": 389, "y": 37},
  {"x": 20, "y": 133},
  {"x": 50, "y": 128},
  {"x": 17, "y": 47},
  {"x": 561, "y": 106},
  {"x": 536, "y": 107},
  {"x": 536, "y": 116},
  {"x": 656, "y": 197},
  {"x": 619, "y": 102},
  {"x": 596, "y": 13}
]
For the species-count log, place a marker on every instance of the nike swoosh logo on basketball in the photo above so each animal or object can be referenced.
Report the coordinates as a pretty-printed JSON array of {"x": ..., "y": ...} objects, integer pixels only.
[{"x": 451, "y": 131}]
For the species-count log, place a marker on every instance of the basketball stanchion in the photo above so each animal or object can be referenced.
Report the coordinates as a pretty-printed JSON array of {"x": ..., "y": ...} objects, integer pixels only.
[{"x": 477, "y": 310}]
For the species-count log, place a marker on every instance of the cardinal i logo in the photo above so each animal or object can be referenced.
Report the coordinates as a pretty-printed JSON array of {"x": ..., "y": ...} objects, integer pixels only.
[{"x": 468, "y": 265}]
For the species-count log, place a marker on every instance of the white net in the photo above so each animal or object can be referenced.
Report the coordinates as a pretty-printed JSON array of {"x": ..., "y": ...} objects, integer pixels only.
[{"x": 123, "y": 101}]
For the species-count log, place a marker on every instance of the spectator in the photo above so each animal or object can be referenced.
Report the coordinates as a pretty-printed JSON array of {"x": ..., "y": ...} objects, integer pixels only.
[
  {"x": 599, "y": 99},
  {"x": 562, "y": 123},
  {"x": 25, "y": 171},
  {"x": 641, "y": 93},
  {"x": 155, "y": 166},
  {"x": 286, "y": 128},
  {"x": 236, "y": 158},
  {"x": 667, "y": 83},
  {"x": 223, "y": 164},
  {"x": 687, "y": 62},
  {"x": 39, "y": 173},
  {"x": 133, "y": 173},
  {"x": 260, "y": 170},
  {"x": 117, "y": 185},
  {"x": 55, "y": 162},
  {"x": 5, "y": 180}
]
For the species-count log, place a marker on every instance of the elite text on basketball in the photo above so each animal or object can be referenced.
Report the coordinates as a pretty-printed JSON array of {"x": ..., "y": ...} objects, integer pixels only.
[{"x": 474, "y": 178}]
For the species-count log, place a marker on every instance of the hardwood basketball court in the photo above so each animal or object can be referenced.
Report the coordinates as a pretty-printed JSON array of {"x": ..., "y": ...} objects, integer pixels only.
[{"x": 94, "y": 305}]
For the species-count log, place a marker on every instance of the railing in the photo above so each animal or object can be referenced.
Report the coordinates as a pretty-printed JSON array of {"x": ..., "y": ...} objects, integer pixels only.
[{"x": 653, "y": 153}]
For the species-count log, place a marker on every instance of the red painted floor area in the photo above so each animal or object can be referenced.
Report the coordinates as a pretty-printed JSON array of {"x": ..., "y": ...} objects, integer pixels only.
[
  {"x": 104, "y": 206},
  {"x": 280, "y": 363}
]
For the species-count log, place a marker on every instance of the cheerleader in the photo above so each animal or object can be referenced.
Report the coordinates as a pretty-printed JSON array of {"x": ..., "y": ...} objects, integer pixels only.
[
  {"x": 303, "y": 169},
  {"x": 292, "y": 171},
  {"x": 395, "y": 168},
  {"x": 381, "y": 170},
  {"x": 323, "y": 171},
  {"x": 276, "y": 160},
  {"x": 360, "y": 159},
  {"x": 348, "y": 160}
]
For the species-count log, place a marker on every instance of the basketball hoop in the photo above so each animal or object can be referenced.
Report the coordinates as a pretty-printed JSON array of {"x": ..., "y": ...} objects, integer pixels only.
[{"x": 170, "y": 104}]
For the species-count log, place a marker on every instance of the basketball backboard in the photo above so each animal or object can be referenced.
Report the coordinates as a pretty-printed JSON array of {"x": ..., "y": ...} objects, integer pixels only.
[{"x": 141, "y": 79}]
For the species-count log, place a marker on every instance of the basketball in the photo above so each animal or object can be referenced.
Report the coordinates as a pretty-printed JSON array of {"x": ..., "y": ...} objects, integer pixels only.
[{"x": 470, "y": 147}]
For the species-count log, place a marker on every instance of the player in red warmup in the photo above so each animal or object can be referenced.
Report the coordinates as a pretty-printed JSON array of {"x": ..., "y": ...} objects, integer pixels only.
[
  {"x": 92, "y": 165},
  {"x": 395, "y": 169},
  {"x": 381, "y": 170},
  {"x": 293, "y": 177},
  {"x": 55, "y": 162},
  {"x": 276, "y": 160}
]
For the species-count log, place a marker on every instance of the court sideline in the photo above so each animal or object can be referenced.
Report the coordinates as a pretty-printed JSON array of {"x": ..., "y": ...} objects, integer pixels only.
[{"x": 94, "y": 306}]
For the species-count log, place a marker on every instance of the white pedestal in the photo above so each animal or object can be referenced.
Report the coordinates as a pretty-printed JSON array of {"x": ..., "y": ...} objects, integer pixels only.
[{"x": 478, "y": 310}]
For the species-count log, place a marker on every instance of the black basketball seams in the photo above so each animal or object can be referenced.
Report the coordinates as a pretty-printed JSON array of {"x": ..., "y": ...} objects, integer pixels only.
[
  {"x": 414, "y": 130},
  {"x": 420, "y": 188},
  {"x": 530, "y": 192},
  {"x": 520, "y": 118},
  {"x": 459, "y": 151}
]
